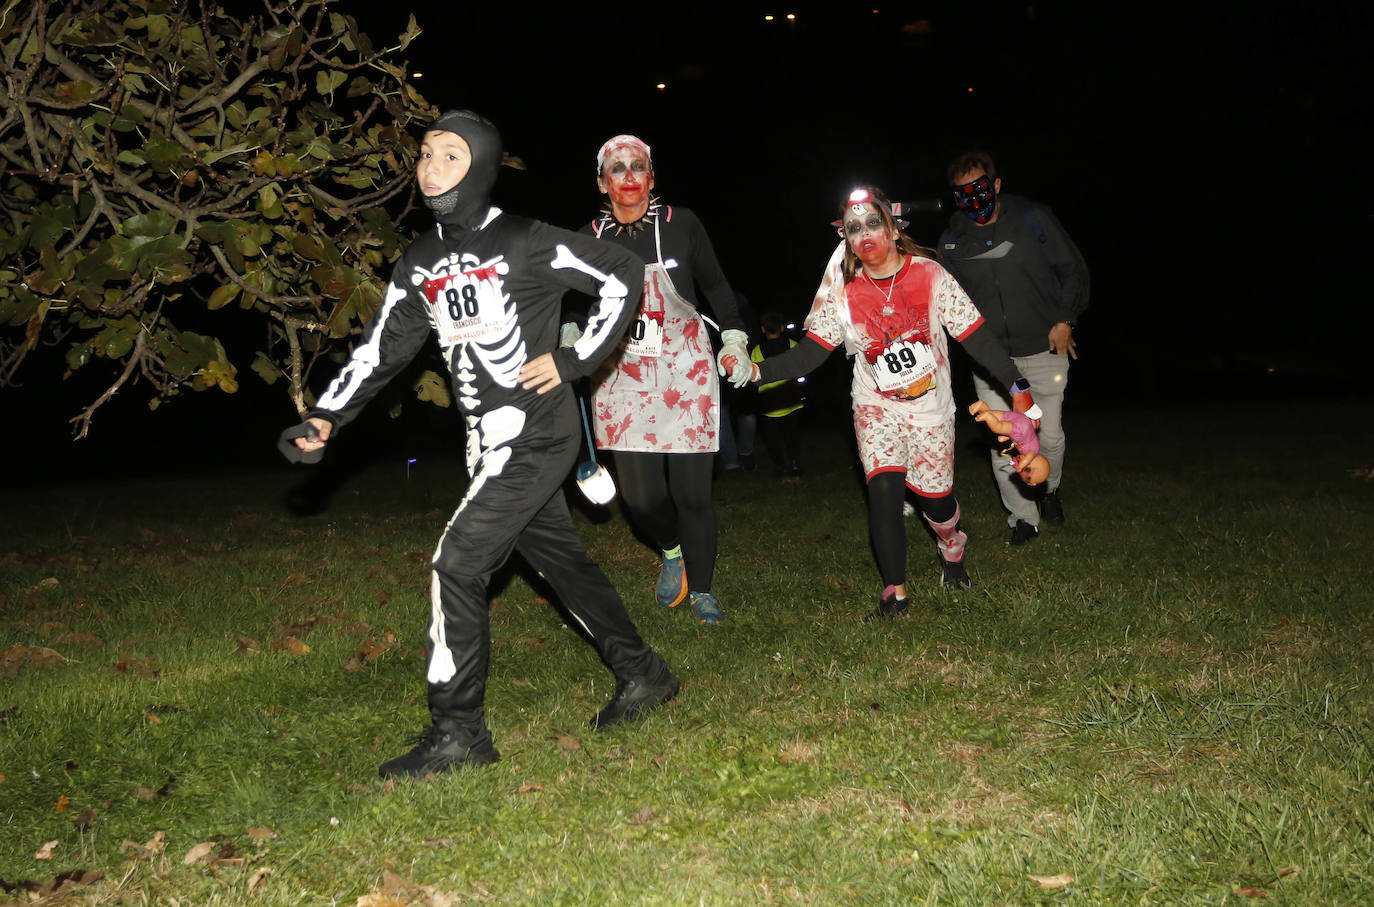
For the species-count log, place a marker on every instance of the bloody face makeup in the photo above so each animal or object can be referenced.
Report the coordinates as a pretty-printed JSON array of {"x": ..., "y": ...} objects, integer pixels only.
[
  {"x": 627, "y": 176},
  {"x": 868, "y": 235}
]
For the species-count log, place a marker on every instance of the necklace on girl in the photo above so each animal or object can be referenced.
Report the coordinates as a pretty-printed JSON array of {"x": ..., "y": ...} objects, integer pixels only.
[{"x": 887, "y": 295}]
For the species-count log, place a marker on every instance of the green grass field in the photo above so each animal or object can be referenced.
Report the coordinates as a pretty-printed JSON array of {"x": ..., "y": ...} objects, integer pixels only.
[{"x": 1165, "y": 701}]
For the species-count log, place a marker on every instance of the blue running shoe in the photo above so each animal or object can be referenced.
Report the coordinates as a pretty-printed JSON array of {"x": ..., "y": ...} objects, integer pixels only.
[
  {"x": 672, "y": 582},
  {"x": 707, "y": 609}
]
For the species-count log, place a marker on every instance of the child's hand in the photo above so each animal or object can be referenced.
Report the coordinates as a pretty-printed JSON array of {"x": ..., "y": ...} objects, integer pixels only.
[{"x": 540, "y": 374}]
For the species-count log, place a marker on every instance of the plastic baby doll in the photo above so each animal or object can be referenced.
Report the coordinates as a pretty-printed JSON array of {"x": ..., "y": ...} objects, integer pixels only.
[{"x": 1030, "y": 464}]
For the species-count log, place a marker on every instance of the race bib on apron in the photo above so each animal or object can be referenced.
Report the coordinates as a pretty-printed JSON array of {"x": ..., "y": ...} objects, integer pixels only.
[
  {"x": 468, "y": 311},
  {"x": 902, "y": 364},
  {"x": 645, "y": 337}
]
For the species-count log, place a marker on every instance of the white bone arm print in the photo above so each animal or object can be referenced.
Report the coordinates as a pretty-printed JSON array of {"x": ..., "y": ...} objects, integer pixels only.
[{"x": 607, "y": 314}]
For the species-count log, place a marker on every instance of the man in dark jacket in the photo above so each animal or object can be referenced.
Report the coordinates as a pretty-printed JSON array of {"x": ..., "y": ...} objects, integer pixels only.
[
  {"x": 489, "y": 287},
  {"x": 1029, "y": 280}
]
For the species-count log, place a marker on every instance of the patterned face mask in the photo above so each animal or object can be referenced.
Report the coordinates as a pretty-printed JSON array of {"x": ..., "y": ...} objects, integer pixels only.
[{"x": 977, "y": 199}]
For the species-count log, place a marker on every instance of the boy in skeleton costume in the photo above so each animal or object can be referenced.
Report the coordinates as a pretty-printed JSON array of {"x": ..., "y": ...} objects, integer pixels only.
[
  {"x": 890, "y": 303},
  {"x": 658, "y": 406},
  {"x": 490, "y": 285}
]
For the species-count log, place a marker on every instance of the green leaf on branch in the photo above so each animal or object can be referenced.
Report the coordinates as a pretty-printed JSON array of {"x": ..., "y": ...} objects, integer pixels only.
[
  {"x": 432, "y": 388},
  {"x": 269, "y": 201},
  {"x": 327, "y": 80},
  {"x": 266, "y": 369},
  {"x": 223, "y": 296},
  {"x": 411, "y": 33},
  {"x": 155, "y": 223}
]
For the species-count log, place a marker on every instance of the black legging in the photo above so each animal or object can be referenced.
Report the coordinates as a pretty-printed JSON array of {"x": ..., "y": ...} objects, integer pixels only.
[
  {"x": 886, "y": 529},
  {"x": 668, "y": 497}
]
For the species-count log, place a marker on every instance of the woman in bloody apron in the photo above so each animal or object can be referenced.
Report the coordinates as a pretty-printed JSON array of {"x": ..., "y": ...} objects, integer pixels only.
[{"x": 656, "y": 404}]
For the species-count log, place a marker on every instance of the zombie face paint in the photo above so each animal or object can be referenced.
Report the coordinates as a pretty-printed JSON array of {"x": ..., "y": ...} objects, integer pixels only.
[
  {"x": 977, "y": 196},
  {"x": 869, "y": 237},
  {"x": 444, "y": 161},
  {"x": 626, "y": 177}
]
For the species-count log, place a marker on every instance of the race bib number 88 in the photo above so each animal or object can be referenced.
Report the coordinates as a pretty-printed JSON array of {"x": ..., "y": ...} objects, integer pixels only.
[{"x": 463, "y": 314}]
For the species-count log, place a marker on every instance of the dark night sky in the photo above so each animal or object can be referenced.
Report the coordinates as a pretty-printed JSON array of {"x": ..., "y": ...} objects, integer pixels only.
[{"x": 1205, "y": 162}]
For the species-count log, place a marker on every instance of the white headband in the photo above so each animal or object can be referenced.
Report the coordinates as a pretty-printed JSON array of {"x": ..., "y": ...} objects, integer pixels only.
[{"x": 615, "y": 142}]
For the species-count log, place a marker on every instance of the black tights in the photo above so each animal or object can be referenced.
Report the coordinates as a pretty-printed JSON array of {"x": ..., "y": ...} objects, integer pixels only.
[
  {"x": 668, "y": 497},
  {"x": 886, "y": 529}
]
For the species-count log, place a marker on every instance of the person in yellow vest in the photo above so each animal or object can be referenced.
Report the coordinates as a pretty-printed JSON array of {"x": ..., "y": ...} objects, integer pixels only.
[{"x": 779, "y": 402}]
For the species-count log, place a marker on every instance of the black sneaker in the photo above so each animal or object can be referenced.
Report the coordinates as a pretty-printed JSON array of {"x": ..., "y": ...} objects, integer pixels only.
[
  {"x": 637, "y": 695},
  {"x": 440, "y": 749},
  {"x": 1051, "y": 511},
  {"x": 1022, "y": 532},
  {"x": 889, "y": 608},
  {"x": 952, "y": 573}
]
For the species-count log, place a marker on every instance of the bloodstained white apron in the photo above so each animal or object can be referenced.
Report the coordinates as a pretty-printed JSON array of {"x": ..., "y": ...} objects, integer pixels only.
[{"x": 661, "y": 393}]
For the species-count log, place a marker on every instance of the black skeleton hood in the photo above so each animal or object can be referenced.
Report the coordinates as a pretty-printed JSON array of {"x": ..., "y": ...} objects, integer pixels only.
[{"x": 465, "y": 205}]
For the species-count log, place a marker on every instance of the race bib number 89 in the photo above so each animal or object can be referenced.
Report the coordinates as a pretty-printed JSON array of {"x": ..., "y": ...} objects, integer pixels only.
[{"x": 902, "y": 364}]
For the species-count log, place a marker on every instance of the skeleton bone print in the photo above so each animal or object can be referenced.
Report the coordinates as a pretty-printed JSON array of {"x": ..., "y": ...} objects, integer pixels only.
[{"x": 470, "y": 310}]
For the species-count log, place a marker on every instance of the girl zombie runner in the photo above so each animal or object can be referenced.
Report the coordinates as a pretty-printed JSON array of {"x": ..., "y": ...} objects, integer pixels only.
[
  {"x": 887, "y": 305},
  {"x": 490, "y": 286},
  {"x": 658, "y": 406}
]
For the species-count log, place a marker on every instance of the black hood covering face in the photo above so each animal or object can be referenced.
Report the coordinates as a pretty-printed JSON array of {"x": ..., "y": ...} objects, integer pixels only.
[{"x": 465, "y": 205}]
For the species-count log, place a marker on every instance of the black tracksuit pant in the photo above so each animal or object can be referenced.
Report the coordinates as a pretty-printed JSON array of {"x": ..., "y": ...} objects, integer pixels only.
[{"x": 515, "y": 502}]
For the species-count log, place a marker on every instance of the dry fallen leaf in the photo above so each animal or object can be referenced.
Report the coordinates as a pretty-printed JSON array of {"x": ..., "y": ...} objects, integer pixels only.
[
  {"x": 1285, "y": 872},
  {"x": 144, "y": 667},
  {"x": 529, "y": 788},
  {"x": 373, "y": 648},
  {"x": 294, "y": 579},
  {"x": 62, "y": 883},
  {"x": 248, "y": 645},
  {"x": 1250, "y": 891},
  {"x": 565, "y": 742},
  {"x": 1054, "y": 883},
  {"x": 79, "y": 639},
  {"x": 198, "y": 854},
  {"x": 15, "y": 658},
  {"x": 291, "y": 646},
  {"x": 256, "y": 879},
  {"x": 45, "y": 852},
  {"x": 62, "y": 803},
  {"x": 87, "y": 818},
  {"x": 261, "y": 833}
]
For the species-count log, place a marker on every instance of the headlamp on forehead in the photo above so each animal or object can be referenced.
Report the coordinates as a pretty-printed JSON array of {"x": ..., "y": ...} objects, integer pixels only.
[{"x": 860, "y": 197}]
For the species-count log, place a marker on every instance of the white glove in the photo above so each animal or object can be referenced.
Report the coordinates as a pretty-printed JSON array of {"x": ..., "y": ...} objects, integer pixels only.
[
  {"x": 736, "y": 344},
  {"x": 569, "y": 334}
]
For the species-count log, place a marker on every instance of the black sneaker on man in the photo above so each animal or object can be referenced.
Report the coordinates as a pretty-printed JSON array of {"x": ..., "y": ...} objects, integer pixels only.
[
  {"x": 636, "y": 695},
  {"x": 1051, "y": 510},
  {"x": 952, "y": 573},
  {"x": 439, "y": 749},
  {"x": 1022, "y": 532}
]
